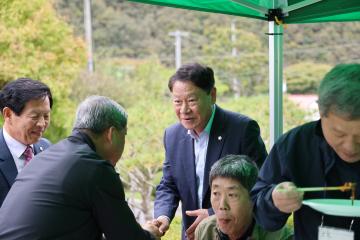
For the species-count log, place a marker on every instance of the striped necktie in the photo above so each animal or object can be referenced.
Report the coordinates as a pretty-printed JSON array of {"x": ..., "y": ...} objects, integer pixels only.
[{"x": 28, "y": 154}]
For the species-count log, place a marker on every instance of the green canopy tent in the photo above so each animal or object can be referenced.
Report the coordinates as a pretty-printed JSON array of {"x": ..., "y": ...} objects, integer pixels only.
[{"x": 275, "y": 12}]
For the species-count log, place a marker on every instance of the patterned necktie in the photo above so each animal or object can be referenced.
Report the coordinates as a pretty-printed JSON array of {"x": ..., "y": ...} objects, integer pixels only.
[{"x": 28, "y": 154}]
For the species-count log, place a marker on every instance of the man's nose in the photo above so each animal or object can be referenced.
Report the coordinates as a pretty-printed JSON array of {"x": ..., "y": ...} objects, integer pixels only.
[
  {"x": 223, "y": 204},
  {"x": 41, "y": 122},
  {"x": 184, "y": 107},
  {"x": 350, "y": 146}
]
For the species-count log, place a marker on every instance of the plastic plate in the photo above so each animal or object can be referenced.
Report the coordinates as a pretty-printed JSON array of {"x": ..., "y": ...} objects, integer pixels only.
[{"x": 337, "y": 207}]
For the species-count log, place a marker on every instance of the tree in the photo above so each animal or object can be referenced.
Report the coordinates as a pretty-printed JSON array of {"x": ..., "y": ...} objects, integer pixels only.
[
  {"x": 149, "y": 114},
  {"x": 35, "y": 43},
  {"x": 247, "y": 66},
  {"x": 257, "y": 108}
]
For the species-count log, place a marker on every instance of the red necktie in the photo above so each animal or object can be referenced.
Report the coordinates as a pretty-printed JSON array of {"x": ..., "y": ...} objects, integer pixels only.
[{"x": 28, "y": 154}]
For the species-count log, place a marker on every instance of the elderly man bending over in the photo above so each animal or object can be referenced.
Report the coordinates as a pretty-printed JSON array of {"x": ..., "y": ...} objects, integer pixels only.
[{"x": 231, "y": 179}]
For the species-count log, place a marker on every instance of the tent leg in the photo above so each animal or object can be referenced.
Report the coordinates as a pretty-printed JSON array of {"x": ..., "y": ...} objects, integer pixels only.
[{"x": 275, "y": 81}]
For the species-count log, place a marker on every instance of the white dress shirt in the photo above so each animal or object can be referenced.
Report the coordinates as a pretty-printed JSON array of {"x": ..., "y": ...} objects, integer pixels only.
[
  {"x": 16, "y": 149},
  {"x": 200, "y": 149}
]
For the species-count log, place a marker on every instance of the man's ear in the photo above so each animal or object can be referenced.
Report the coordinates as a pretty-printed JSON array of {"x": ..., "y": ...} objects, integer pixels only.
[
  {"x": 7, "y": 113},
  {"x": 109, "y": 134}
]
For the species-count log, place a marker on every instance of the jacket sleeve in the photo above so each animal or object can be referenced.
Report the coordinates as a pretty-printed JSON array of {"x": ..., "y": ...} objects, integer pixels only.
[
  {"x": 111, "y": 211},
  {"x": 271, "y": 173},
  {"x": 252, "y": 143},
  {"x": 167, "y": 196}
]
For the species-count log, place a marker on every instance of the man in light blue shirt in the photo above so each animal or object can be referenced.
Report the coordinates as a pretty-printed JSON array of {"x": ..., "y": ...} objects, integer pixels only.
[
  {"x": 200, "y": 147},
  {"x": 204, "y": 134}
]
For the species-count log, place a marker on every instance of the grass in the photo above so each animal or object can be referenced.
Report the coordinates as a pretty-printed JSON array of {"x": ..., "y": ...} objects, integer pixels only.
[{"x": 174, "y": 232}]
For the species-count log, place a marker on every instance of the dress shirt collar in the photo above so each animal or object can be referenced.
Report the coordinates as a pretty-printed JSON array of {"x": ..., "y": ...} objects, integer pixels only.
[{"x": 16, "y": 148}]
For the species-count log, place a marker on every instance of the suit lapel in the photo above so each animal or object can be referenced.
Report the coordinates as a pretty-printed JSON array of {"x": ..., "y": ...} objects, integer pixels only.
[
  {"x": 7, "y": 164},
  {"x": 189, "y": 164},
  {"x": 38, "y": 148},
  {"x": 216, "y": 142}
]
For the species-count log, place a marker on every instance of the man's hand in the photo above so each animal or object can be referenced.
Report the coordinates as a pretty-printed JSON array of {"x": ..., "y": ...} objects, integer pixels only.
[
  {"x": 286, "y": 198},
  {"x": 153, "y": 229},
  {"x": 200, "y": 214},
  {"x": 162, "y": 222}
]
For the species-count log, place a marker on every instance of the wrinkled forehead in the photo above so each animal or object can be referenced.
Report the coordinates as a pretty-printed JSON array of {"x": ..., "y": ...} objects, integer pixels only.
[{"x": 226, "y": 183}]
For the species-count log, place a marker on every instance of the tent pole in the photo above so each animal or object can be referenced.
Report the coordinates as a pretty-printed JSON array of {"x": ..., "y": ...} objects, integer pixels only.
[{"x": 275, "y": 80}]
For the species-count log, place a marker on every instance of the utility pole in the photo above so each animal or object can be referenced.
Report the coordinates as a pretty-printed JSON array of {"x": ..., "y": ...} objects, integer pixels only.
[
  {"x": 234, "y": 53},
  {"x": 88, "y": 35},
  {"x": 233, "y": 38},
  {"x": 178, "y": 34}
]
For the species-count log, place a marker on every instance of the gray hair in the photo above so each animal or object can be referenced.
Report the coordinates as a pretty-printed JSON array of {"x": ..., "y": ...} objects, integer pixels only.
[
  {"x": 238, "y": 167},
  {"x": 98, "y": 113},
  {"x": 339, "y": 91}
]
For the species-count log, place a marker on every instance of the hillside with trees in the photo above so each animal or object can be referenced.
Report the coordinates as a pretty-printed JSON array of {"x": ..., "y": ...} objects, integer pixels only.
[{"x": 123, "y": 29}]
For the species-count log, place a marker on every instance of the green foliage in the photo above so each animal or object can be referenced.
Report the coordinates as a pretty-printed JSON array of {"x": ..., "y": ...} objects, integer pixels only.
[
  {"x": 257, "y": 108},
  {"x": 237, "y": 70},
  {"x": 127, "y": 29},
  {"x": 304, "y": 77},
  {"x": 150, "y": 112},
  {"x": 174, "y": 232},
  {"x": 95, "y": 84},
  {"x": 141, "y": 87},
  {"x": 147, "y": 121},
  {"x": 327, "y": 43},
  {"x": 127, "y": 81},
  {"x": 148, "y": 82},
  {"x": 35, "y": 43}
]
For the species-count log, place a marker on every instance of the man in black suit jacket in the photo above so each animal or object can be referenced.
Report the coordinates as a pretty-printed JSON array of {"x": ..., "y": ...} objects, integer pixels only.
[
  {"x": 204, "y": 134},
  {"x": 25, "y": 105},
  {"x": 71, "y": 191}
]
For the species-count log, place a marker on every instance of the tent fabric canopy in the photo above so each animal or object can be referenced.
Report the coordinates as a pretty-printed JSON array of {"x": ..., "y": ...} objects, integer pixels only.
[{"x": 294, "y": 11}]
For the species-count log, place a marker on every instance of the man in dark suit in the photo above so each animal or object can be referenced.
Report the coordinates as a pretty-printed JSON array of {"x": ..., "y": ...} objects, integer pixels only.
[
  {"x": 71, "y": 191},
  {"x": 205, "y": 133},
  {"x": 25, "y": 106}
]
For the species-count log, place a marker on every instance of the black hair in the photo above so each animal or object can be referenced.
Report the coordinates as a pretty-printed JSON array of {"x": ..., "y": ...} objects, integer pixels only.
[
  {"x": 238, "y": 167},
  {"x": 16, "y": 94},
  {"x": 339, "y": 91},
  {"x": 201, "y": 76}
]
